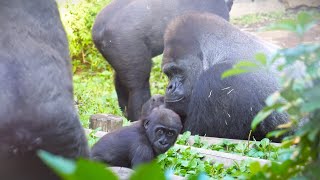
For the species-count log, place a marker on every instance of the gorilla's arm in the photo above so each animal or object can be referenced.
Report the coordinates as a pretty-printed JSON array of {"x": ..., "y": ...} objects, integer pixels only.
[
  {"x": 143, "y": 153},
  {"x": 227, "y": 107}
]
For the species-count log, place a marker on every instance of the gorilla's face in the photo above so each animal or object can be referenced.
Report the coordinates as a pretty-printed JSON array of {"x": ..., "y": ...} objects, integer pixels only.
[
  {"x": 162, "y": 127},
  {"x": 183, "y": 69}
]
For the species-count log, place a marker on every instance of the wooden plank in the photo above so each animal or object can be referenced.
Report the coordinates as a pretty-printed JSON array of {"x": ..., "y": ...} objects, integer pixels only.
[
  {"x": 227, "y": 159},
  {"x": 214, "y": 140}
]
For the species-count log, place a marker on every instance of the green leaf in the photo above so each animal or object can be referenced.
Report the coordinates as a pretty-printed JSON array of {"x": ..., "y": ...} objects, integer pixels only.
[
  {"x": 162, "y": 157},
  {"x": 312, "y": 99},
  {"x": 254, "y": 167},
  {"x": 289, "y": 93},
  {"x": 313, "y": 134},
  {"x": 277, "y": 133},
  {"x": 304, "y": 18},
  {"x": 265, "y": 142},
  {"x": 287, "y": 24},
  {"x": 79, "y": 170},
  {"x": 184, "y": 138},
  {"x": 311, "y": 105},
  {"x": 185, "y": 163},
  {"x": 240, "y": 68},
  {"x": 197, "y": 139},
  {"x": 262, "y": 58},
  {"x": 264, "y": 113},
  {"x": 246, "y": 64},
  {"x": 193, "y": 163},
  {"x": 233, "y": 72},
  {"x": 93, "y": 170},
  {"x": 201, "y": 176},
  {"x": 62, "y": 166},
  {"x": 305, "y": 21},
  {"x": 148, "y": 171}
]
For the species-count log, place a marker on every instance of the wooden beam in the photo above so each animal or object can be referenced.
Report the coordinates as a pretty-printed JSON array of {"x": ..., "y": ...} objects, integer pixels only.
[
  {"x": 228, "y": 159},
  {"x": 214, "y": 140}
]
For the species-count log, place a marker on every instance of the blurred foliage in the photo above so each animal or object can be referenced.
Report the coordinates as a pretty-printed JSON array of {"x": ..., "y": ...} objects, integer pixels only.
[
  {"x": 158, "y": 80},
  {"x": 262, "y": 20},
  {"x": 95, "y": 93},
  {"x": 92, "y": 138},
  {"x": 263, "y": 149},
  {"x": 299, "y": 70},
  {"x": 188, "y": 162},
  {"x": 83, "y": 169},
  {"x": 78, "y": 18},
  {"x": 258, "y": 18}
]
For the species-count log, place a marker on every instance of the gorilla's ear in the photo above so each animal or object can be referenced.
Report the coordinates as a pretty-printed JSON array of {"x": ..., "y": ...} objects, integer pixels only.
[{"x": 146, "y": 123}]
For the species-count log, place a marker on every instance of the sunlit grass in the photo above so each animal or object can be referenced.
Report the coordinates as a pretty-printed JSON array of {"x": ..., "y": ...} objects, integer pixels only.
[{"x": 95, "y": 92}]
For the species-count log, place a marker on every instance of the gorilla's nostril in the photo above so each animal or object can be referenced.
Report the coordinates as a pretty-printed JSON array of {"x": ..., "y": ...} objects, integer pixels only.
[{"x": 163, "y": 142}]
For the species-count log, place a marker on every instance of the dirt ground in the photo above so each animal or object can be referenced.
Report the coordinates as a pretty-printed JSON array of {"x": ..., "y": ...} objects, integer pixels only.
[
  {"x": 280, "y": 38},
  {"x": 287, "y": 39}
]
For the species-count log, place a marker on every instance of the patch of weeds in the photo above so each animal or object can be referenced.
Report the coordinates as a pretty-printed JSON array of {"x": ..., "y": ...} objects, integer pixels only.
[
  {"x": 95, "y": 92},
  {"x": 259, "y": 19},
  {"x": 258, "y": 149},
  {"x": 187, "y": 163}
]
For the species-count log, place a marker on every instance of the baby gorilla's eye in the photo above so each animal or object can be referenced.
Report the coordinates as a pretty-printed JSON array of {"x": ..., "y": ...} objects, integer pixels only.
[
  {"x": 170, "y": 133},
  {"x": 160, "y": 131}
]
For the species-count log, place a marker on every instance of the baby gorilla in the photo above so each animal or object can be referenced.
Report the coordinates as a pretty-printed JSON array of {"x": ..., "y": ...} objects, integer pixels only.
[
  {"x": 141, "y": 142},
  {"x": 156, "y": 100}
]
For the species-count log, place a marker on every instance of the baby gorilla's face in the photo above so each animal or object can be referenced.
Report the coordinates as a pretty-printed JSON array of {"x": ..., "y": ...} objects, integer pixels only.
[{"x": 162, "y": 127}]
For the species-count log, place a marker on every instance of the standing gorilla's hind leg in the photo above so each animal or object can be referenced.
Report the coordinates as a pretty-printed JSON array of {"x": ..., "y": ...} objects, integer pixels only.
[{"x": 122, "y": 93}]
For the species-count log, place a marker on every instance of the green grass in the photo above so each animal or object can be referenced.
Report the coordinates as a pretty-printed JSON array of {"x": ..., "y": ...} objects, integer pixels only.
[
  {"x": 158, "y": 80},
  {"x": 264, "y": 19},
  {"x": 258, "y": 149},
  {"x": 186, "y": 162},
  {"x": 250, "y": 19},
  {"x": 95, "y": 92}
]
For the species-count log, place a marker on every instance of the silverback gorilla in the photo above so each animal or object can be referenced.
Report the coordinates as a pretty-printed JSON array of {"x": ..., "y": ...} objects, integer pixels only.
[
  {"x": 36, "y": 95},
  {"x": 128, "y": 33},
  {"x": 141, "y": 142},
  {"x": 199, "y": 47}
]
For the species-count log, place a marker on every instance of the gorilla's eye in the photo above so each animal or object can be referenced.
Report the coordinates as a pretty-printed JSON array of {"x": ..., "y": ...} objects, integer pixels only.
[
  {"x": 170, "y": 133},
  {"x": 159, "y": 131}
]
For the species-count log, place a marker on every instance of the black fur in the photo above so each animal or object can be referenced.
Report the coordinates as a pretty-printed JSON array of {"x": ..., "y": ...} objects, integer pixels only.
[
  {"x": 128, "y": 33},
  {"x": 155, "y": 101},
  {"x": 36, "y": 95},
  {"x": 194, "y": 59},
  {"x": 141, "y": 142}
]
